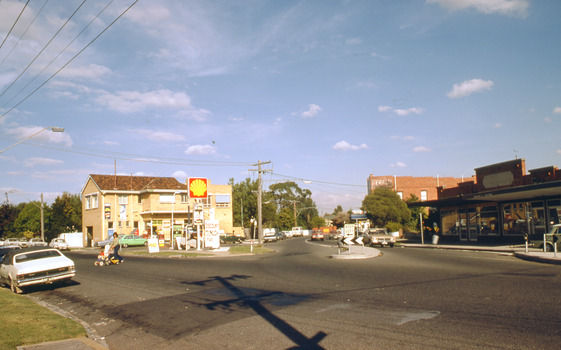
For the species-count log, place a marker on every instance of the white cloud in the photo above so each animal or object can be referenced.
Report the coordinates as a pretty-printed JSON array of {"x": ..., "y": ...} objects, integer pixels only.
[
  {"x": 468, "y": 87},
  {"x": 498, "y": 125},
  {"x": 311, "y": 112},
  {"x": 345, "y": 146},
  {"x": 398, "y": 165},
  {"x": 39, "y": 134},
  {"x": 31, "y": 162},
  {"x": 559, "y": 151},
  {"x": 201, "y": 150},
  {"x": 180, "y": 175},
  {"x": 160, "y": 136},
  {"x": 421, "y": 149},
  {"x": 401, "y": 112},
  {"x": 91, "y": 72},
  {"x": 134, "y": 101},
  {"x": 516, "y": 8},
  {"x": 557, "y": 110},
  {"x": 353, "y": 41}
]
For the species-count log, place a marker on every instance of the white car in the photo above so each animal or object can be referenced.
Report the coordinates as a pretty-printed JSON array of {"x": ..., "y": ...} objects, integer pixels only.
[
  {"x": 59, "y": 243},
  {"x": 34, "y": 242},
  {"x": 35, "y": 266}
]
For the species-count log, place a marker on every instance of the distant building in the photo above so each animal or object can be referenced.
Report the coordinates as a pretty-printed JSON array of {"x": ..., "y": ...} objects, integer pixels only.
[
  {"x": 146, "y": 204},
  {"x": 424, "y": 188},
  {"x": 503, "y": 201}
]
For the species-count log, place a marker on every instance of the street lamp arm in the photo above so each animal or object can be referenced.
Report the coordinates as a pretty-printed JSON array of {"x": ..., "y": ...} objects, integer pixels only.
[{"x": 53, "y": 129}]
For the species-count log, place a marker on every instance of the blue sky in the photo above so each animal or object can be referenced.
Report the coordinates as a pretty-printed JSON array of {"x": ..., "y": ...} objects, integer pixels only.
[{"x": 328, "y": 91}]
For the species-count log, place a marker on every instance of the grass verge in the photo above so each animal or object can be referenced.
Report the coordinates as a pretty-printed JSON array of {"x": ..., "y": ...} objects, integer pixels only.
[
  {"x": 24, "y": 322},
  {"x": 246, "y": 249}
]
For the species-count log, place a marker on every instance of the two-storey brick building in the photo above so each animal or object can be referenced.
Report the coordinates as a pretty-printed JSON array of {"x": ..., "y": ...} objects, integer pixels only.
[
  {"x": 423, "y": 187},
  {"x": 147, "y": 205},
  {"x": 503, "y": 201}
]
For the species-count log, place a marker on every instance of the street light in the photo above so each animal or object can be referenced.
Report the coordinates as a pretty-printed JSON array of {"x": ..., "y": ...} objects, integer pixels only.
[{"x": 52, "y": 128}]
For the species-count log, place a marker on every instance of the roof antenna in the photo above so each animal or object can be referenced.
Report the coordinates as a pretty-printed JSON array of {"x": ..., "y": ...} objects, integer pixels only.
[
  {"x": 115, "y": 168},
  {"x": 515, "y": 153}
]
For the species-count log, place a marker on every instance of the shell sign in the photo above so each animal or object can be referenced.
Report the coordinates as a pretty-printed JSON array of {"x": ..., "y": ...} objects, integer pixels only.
[{"x": 198, "y": 187}]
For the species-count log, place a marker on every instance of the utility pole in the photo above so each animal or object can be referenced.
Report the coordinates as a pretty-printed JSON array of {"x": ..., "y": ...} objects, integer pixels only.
[{"x": 260, "y": 171}]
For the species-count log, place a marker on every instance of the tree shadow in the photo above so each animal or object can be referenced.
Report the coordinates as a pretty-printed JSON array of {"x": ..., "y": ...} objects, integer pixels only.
[{"x": 253, "y": 299}]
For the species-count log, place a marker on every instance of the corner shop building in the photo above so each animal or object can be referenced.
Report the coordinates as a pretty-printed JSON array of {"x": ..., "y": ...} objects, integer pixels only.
[{"x": 504, "y": 202}]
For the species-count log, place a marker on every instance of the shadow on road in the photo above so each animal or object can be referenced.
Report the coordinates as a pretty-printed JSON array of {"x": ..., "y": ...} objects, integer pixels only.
[{"x": 253, "y": 299}]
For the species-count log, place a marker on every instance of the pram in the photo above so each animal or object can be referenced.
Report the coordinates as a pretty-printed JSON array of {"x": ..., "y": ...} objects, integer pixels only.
[{"x": 105, "y": 258}]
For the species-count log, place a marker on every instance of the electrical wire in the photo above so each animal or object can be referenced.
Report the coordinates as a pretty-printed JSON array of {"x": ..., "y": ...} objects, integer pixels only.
[
  {"x": 13, "y": 25},
  {"x": 69, "y": 61},
  {"x": 43, "y": 49},
  {"x": 58, "y": 55},
  {"x": 141, "y": 158},
  {"x": 25, "y": 32}
]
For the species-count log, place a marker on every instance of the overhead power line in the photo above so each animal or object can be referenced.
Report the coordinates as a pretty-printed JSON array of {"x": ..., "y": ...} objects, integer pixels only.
[
  {"x": 13, "y": 25},
  {"x": 42, "y": 50},
  {"x": 69, "y": 61}
]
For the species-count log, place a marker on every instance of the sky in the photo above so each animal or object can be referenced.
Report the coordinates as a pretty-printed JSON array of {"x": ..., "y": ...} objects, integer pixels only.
[{"x": 325, "y": 93}]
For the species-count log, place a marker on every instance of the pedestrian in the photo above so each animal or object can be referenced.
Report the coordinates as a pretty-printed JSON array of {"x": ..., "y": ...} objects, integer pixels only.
[{"x": 115, "y": 245}]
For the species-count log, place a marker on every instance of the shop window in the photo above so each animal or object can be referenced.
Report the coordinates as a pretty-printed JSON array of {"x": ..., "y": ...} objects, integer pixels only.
[
  {"x": 449, "y": 222},
  {"x": 515, "y": 218},
  {"x": 554, "y": 211},
  {"x": 488, "y": 220}
]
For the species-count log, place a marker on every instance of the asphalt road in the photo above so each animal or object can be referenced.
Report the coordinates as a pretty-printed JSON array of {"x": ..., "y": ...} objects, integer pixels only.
[{"x": 299, "y": 298}]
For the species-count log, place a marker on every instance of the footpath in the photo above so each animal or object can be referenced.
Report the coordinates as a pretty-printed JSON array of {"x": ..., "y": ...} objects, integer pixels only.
[{"x": 355, "y": 252}]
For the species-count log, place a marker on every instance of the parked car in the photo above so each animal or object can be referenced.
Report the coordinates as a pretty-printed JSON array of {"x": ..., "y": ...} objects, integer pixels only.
[
  {"x": 270, "y": 235},
  {"x": 105, "y": 242},
  {"x": 13, "y": 241},
  {"x": 553, "y": 236},
  {"x": 35, "y": 266},
  {"x": 59, "y": 243},
  {"x": 34, "y": 242},
  {"x": 132, "y": 240},
  {"x": 378, "y": 236}
]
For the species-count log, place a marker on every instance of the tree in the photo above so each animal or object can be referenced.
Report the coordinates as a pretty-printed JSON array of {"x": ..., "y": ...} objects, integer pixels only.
[
  {"x": 288, "y": 195},
  {"x": 413, "y": 223},
  {"x": 383, "y": 205},
  {"x": 244, "y": 200},
  {"x": 317, "y": 222},
  {"x": 65, "y": 215},
  {"x": 29, "y": 219},
  {"x": 285, "y": 219},
  {"x": 8, "y": 216},
  {"x": 339, "y": 217}
]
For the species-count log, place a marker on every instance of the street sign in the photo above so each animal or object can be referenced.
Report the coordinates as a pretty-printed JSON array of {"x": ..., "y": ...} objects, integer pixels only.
[
  {"x": 348, "y": 241},
  {"x": 358, "y": 240}
]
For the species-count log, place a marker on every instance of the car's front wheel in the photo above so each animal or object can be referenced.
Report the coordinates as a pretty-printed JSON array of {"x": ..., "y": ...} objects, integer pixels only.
[
  {"x": 146, "y": 244},
  {"x": 125, "y": 245}
]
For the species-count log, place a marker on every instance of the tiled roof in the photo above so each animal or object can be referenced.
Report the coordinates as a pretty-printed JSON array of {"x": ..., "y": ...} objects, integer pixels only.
[{"x": 136, "y": 183}]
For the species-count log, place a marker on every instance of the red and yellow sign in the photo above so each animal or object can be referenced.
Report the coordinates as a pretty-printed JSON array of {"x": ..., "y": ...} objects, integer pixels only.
[{"x": 198, "y": 187}]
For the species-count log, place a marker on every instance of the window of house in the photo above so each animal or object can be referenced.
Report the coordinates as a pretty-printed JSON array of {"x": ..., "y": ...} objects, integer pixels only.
[
  {"x": 400, "y": 194},
  {"x": 184, "y": 198},
  {"x": 91, "y": 201},
  {"x": 109, "y": 224},
  {"x": 222, "y": 201},
  {"x": 206, "y": 202},
  {"x": 123, "y": 199},
  {"x": 424, "y": 195},
  {"x": 167, "y": 198},
  {"x": 94, "y": 201}
]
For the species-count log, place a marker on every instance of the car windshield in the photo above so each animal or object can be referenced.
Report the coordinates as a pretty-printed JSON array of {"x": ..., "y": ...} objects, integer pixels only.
[{"x": 41, "y": 254}]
